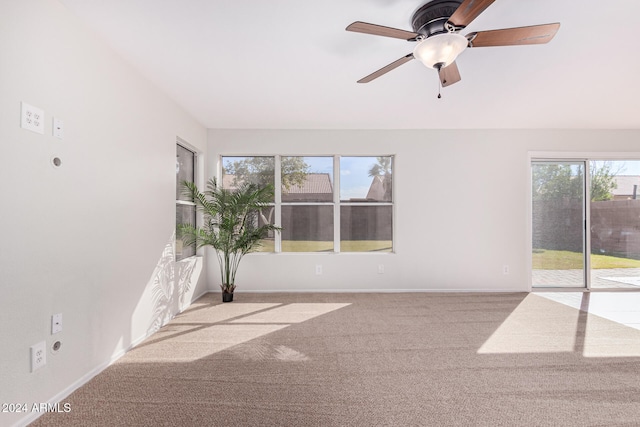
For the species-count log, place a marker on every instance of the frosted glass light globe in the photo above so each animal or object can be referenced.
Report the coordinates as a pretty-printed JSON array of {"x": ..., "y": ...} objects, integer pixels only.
[{"x": 440, "y": 49}]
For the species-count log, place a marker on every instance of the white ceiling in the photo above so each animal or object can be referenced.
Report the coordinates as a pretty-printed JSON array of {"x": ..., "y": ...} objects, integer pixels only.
[{"x": 289, "y": 64}]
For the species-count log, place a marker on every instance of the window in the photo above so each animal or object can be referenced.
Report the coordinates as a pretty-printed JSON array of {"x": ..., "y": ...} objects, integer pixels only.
[
  {"x": 316, "y": 215},
  {"x": 185, "y": 207},
  {"x": 258, "y": 170},
  {"x": 366, "y": 195},
  {"x": 307, "y": 204}
]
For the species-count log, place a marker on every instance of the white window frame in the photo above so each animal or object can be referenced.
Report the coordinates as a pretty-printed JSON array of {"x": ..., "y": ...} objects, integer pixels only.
[
  {"x": 181, "y": 143},
  {"x": 332, "y": 203},
  {"x": 336, "y": 203},
  {"x": 341, "y": 203}
]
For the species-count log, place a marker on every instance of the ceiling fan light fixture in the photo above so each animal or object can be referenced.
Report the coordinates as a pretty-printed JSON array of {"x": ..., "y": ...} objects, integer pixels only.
[{"x": 440, "y": 49}]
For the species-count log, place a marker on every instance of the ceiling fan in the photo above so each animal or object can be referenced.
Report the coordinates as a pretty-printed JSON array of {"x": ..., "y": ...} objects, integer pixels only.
[{"x": 436, "y": 27}]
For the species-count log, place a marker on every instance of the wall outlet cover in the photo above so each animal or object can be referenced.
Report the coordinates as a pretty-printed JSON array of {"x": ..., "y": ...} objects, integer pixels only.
[
  {"x": 38, "y": 355},
  {"x": 32, "y": 118},
  {"x": 56, "y": 323},
  {"x": 58, "y": 128}
]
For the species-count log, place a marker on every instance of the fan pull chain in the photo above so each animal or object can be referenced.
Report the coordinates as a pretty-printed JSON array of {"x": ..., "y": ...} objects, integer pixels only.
[{"x": 439, "y": 85}]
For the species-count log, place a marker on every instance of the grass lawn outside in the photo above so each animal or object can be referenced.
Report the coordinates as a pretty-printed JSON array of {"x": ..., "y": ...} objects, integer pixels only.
[
  {"x": 306, "y": 246},
  {"x": 327, "y": 246},
  {"x": 565, "y": 260},
  {"x": 267, "y": 245},
  {"x": 365, "y": 246}
]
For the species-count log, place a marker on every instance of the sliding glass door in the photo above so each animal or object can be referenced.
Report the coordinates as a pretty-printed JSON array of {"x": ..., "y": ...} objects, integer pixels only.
[
  {"x": 558, "y": 224},
  {"x": 614, "y": 224},
  {"x": 564, "y": 254}
]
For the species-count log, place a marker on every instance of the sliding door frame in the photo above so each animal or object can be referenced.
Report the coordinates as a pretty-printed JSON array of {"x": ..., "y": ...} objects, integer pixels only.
[
  {"x": 585, "y": 218},
  {"x": 586, "y": 158},
  {"x": 586, "y": 227}
]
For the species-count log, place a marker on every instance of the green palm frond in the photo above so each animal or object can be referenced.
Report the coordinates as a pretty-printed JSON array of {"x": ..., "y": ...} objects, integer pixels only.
[{"x": 230, "y": 222}]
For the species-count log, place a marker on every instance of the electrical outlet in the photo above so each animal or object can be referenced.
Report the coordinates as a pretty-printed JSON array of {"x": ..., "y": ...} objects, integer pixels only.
[
  {"x": 380, "y": 268},
  {"x": 318, "y": 269},
  {"x": 56, "y": 323},
  {"x": 32, "y": 118},
  {"x": 505, "y": 269},
  {"x": 38, "y": 355}
]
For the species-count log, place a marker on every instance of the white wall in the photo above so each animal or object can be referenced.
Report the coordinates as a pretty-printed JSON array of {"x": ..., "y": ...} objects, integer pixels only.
[
  {"x": 93, "y": 239},
  {"x": 461, "y": 206}
]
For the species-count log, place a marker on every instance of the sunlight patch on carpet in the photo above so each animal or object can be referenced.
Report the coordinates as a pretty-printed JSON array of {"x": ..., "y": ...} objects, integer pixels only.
[
  {"x": 591, "y": 324},
  {"x": 221, "y": 312},
  {"x": 537, "y": 325},
  {"x": 199, "y": 343},
  {"x": 604, "y": 338},
  {"x": 291, "y": 313},
  {"x": 619, "y": 307},
  {"x": 208, "y": 329}
]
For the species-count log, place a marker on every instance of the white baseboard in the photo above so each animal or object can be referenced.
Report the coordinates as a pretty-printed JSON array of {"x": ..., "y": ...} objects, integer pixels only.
[
  {"x": 376, "y": 291},
  {"x": 59, "y": 397},
  {"x": 66, "y": 392}
]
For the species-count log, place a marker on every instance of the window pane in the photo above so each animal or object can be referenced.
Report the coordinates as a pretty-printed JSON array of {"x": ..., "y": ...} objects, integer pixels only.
[
  {"x": 307, "y": 228},
  {"x": 615, "y": 234},
  {"x": 365, "y": 229},
  {"x": 267, "y": 216},
  {"x": 238, "y": 170},
  {"x": 307, "y": 179},
  {"x": 558, "y": 224},
  {"x": 366, "y": 179},
  {"x": 185, "y": 214},
  {"x": 185, "y": 161}
]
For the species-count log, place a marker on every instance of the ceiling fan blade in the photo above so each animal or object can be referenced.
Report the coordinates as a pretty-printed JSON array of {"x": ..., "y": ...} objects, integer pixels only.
[
  {"x": 449, "y": 75},
  {"x": 536, "y": 34},
  {"x": 386, "y": 69},
  {"x": 379, "y": 30},
  {"x": 468, "y": 11}
]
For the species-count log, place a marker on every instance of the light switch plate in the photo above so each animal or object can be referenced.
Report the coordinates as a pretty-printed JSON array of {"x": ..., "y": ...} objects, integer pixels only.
[{"x": 32, "y": 118}]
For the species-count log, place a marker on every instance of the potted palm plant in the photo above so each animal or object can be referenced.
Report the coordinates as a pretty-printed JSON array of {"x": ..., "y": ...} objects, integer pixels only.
[{"x": 231, "y": 225}]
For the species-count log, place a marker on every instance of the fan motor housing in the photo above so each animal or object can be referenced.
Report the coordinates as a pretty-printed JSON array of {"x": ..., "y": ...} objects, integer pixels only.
[{"x": 430, "y": 19}]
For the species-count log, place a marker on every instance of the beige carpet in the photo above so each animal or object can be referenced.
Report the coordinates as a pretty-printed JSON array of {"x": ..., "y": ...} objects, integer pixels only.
[{"x": 412, "y": 359}]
